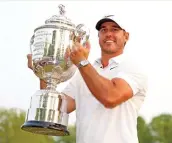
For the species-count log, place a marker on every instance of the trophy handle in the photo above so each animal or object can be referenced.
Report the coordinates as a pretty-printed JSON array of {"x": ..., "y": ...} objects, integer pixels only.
[{"x": 82, "y": 34}]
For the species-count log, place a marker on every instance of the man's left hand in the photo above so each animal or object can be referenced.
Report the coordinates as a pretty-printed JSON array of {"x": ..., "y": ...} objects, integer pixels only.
[{"x": 79, "y": 53}]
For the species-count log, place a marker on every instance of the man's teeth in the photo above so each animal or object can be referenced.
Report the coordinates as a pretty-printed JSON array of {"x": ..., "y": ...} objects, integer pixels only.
[{"x": 109, "y": 41}]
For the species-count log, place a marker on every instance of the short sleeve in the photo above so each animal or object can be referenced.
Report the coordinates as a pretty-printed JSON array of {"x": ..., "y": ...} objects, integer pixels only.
[{"x": 137, "y": 81}]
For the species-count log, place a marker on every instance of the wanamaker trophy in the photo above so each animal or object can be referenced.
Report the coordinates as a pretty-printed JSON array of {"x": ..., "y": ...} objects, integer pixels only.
[{"x": 49, "y": 45}]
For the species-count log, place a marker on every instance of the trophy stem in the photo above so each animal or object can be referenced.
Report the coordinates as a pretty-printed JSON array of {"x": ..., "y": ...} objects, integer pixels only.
[{"x": 51, "y": 84}]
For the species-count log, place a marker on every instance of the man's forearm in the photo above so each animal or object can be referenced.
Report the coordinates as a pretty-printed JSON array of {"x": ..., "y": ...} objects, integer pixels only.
[{"x": 100, "y": 87}]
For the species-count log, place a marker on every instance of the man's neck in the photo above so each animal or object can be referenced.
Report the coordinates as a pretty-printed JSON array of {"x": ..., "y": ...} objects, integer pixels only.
[{"x": 106, "y": 57}]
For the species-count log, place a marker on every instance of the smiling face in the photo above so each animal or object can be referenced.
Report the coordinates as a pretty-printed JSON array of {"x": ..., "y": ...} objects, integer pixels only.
[{"x": 112, "y": 38}]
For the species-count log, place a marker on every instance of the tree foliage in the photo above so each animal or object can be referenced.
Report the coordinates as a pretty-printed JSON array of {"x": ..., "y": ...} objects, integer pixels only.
[
  {"x": 161, "y": 128},
  {"x": 10, "y": 132},
  {"x": 144, "y": 133}
]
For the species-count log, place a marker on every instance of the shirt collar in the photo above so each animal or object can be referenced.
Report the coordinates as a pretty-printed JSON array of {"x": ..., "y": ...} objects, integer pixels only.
[{"x": 115, "y": 60}]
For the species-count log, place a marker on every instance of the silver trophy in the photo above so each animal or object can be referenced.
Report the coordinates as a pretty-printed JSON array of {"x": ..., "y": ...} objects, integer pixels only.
[{"x": 50, "y": 46}]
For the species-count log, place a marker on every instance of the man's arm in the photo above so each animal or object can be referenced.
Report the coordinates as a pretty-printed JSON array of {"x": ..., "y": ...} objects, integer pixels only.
[
  {"x": 70, "y": 104},
  {"x": 43, "y": 84},
  {"x": 109, "y": 92}
]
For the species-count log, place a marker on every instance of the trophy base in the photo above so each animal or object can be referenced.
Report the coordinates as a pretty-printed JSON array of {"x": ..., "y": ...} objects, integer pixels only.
[{"x": 45, "y": 128}]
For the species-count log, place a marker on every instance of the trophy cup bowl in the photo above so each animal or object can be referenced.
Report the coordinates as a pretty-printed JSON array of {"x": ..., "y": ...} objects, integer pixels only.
[{"x": 50, "y": 46}]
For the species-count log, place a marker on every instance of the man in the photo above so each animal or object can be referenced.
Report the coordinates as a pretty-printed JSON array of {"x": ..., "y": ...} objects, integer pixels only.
[{"x": 108, "y": 94}]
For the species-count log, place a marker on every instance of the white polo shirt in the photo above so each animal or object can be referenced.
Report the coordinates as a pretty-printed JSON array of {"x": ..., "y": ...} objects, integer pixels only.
[{"x": 98, "y": 124}]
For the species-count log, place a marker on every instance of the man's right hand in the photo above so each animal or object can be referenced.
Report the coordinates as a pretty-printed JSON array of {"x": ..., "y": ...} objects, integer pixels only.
[{"x": 43, "y": 84}]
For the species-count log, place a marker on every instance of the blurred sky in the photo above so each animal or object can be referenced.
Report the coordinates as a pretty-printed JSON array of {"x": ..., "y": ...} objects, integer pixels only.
[{"x": 149, "y": 24}]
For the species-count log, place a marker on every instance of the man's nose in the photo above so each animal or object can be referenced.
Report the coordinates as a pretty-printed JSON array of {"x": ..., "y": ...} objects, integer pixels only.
[{"x": 109, "y": 33}]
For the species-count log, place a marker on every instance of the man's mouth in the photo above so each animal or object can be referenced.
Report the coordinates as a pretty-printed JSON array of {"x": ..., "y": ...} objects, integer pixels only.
[{"x": 109, "y": 41}]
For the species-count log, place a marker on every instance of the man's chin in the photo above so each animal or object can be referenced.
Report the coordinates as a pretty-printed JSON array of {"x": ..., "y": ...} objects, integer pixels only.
[
  {"x": 108, "y": 51},
  {"x": 110, "y": 47}
]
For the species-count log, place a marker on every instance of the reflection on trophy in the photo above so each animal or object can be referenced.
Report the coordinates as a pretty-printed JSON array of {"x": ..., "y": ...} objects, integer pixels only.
[{"x": 50, "y": 45}]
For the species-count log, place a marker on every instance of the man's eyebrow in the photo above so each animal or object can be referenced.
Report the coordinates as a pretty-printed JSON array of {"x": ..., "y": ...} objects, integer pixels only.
[
  {"x": 102, "y": 27},
  {"x": 116, "y": 26}
]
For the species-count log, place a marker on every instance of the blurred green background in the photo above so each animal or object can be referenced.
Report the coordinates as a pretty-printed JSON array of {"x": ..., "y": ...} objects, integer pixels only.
[{"x": 159, "y": 130}]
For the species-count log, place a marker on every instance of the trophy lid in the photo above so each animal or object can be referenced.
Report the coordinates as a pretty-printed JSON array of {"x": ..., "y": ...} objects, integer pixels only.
[
  {"x": 58, "y": 21},
  {"x": 61, "y": 18}
]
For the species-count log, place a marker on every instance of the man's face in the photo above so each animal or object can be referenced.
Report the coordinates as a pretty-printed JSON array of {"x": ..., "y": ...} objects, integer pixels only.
[{"x": 112, "y": 39}]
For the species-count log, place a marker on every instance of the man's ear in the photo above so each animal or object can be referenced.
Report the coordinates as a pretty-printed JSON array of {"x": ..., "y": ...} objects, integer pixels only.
[{"x": 127, "y": 36}]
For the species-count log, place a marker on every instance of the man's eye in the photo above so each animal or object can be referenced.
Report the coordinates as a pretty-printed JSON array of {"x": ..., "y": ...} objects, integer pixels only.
[
  {"x": 104, "y": 30},
  {"x": 115, "y": 29}
]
